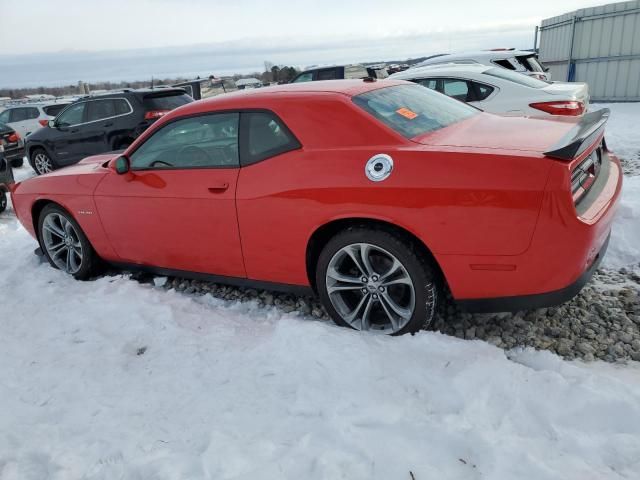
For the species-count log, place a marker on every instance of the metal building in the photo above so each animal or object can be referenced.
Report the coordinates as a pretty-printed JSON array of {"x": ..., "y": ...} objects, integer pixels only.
[{"x": 598, "y": 45}]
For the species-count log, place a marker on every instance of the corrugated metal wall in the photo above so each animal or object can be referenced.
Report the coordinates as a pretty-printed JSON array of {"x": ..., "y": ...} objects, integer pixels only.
[{"x": 600, "y": 46}]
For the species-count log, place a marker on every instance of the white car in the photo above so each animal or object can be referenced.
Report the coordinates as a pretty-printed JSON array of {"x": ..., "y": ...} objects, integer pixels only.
[
  {"x": 28, "y": 117},
  {"x": 510, "y": 59},
  {"x": 501, "y": 91}
]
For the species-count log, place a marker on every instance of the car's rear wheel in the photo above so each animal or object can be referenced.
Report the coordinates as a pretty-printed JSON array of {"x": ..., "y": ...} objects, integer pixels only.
[
  {"x": 376, "y": 280},
  {"x": 17, "y": 163},
  {"x": 3, "y": 201},
  {"x": 64, "y": 243},
  {"x": 41, "y": 162}
]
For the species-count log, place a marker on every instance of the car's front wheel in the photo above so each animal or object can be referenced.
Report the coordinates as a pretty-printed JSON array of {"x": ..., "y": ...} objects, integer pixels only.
[
  {"x": 64, "y": 243},
  {"x": 376, "y": 280},
  {"x": 41, "y": 162}
]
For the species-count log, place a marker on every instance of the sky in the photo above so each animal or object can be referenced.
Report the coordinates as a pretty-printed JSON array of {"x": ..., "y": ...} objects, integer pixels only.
[{"x": 46, "y": 44}]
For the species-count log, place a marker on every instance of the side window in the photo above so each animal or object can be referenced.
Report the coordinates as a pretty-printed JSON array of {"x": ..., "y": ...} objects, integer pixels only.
[
  {"x": 327, "y": 74},
  {"x": 304, "y": 77},
  {"x": 121, "y": 106},
  {"x": 197, "y": 142},
  {"x": 355, "y": 71},
  {"x": 4, "y": 116},
  {"x": 19, "y": 114},
  {"x": 32, "y": 113},
  {"x": 72, "y": 115},
  {"x": 427, "y": 82},
  {"x": 53, "y": 110},
  {"x": 458, "y": 89},
  {"x": 505, "y": 64},
  {"x": 482, "y": 91},
  {"x": 266, "y": 136},
  {"x": 99, "y": 109}
]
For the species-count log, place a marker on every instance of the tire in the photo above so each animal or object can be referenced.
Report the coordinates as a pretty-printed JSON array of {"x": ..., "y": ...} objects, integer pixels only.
[
  {"x": 17, "y": 163},
  {"x": 400, "y": 293},
  {"x": 3, "y": 201},
  {"x": 41, "y": 162},
  {"x": 64, "y": 243}
]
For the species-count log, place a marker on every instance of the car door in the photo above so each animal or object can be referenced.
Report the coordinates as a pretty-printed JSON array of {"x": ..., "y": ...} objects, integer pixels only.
[
  {"x": 68, "y": 142},
  {"x": 24, "y": 120},
  {"x": 101, "y": 114},
  {"x": 176, "y": 208}
]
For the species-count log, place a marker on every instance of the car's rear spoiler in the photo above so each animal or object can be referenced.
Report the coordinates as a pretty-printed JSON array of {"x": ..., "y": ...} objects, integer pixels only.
[{"x": 581, "y": 136}]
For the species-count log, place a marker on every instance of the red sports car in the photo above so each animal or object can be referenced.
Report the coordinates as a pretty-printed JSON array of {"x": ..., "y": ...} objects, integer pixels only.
[{"x": 373, "y": 194}]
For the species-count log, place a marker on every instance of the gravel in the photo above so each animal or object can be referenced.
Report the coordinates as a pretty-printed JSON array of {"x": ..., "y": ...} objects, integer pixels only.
[{"x": 602, "y": 322}]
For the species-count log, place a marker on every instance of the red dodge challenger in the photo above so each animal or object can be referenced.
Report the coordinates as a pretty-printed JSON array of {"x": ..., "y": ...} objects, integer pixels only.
[{"x": 375, "y": 195}]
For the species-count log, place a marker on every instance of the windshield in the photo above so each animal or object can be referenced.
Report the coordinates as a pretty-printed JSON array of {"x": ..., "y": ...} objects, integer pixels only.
[
  {"x": 515, "y": 77},
  {"x": 413, "y": 110}
]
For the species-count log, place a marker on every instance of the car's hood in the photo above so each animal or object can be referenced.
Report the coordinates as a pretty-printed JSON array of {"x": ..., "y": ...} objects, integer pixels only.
[
  {"x": 78, "y": 179},
  {"x": 102, "y": 158},
  {"x": 486, "y": 130}
]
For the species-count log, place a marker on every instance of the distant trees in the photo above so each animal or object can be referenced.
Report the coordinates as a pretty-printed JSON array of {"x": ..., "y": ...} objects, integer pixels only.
[{"x": 272, "y": 73}]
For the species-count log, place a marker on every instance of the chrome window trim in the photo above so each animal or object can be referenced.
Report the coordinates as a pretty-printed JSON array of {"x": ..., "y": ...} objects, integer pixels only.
[{"x": 97, "y": 100}]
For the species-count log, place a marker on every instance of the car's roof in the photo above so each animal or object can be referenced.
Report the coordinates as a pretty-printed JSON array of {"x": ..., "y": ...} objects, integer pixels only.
[
  {"x": 442, "y": 69},
  {"x": 479, "y": 54},
  {"x": 252, "y": 98},
  {"x": 349, "y": 88}
]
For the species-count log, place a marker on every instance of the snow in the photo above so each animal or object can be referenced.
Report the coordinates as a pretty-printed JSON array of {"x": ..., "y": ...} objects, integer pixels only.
[
  {"x": 624, "y": 247},
  {"x": 113, "y": 379}
]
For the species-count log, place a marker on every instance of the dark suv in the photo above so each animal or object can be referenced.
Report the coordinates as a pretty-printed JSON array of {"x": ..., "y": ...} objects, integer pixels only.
[
  {"x": 339, "y": 72},
  {"x": 99, "y": 124}
]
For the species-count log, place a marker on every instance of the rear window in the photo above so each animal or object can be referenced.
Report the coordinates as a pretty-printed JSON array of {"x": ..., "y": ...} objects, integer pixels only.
[
  {"x": 412, "y": 110},
  {"x": 520, "y": 78},
  {"x": 505, "y": 64},
  {"x": 530, "y": 62},
  {"x": 53, "y": 110},
  {"x": 166, "y": 102}
]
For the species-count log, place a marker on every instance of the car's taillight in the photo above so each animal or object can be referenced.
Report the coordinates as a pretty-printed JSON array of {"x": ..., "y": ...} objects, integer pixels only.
[
  {"x": 14, "y": 137},
  {"x": 155, "y": 114},
  {"x": 44, "y": 123},
  {"x": 585, "y": 174},
  {"x": 567, "y": 107}
]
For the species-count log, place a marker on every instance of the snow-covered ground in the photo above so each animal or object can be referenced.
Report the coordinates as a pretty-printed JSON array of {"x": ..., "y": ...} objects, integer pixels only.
[{"x": 113, "y": 379}]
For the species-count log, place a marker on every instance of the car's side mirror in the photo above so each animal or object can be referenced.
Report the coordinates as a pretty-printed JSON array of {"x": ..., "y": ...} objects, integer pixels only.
[
  {"x": 51, "y": 124},
  {"x": 122, "y": 165}
]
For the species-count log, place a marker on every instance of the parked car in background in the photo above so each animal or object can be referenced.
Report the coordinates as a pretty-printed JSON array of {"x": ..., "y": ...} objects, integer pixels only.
[
  {"x": 29, "y": 117},
  {"x": 374, "y": 194},
  {"x": 508, "y": 58},
  {"x": 501, "y": 91},
  {"x": 6, "y": 179},
  {"x": 341, "y": 72},
  {"x": 97, "y": 124},
  {"x": 11, "y": 145}
]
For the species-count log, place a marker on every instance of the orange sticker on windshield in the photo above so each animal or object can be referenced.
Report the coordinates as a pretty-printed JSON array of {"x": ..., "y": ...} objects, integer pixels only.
[{"x": 406, "y": 113}]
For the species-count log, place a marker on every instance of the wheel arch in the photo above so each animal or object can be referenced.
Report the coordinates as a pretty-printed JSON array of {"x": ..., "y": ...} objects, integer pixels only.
[{"x": 325, "y": 232}]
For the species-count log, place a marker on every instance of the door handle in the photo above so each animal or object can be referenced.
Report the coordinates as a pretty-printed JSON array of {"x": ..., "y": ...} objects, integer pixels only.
[
  {"x": 110, "y": 124},
  {"x": 221, "y": 187}
]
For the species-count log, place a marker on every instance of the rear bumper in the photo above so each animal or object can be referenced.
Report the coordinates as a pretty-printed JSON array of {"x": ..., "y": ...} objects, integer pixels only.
[
  {"x": 14, "y": 153},
  {"x": 540, "y": 300}
]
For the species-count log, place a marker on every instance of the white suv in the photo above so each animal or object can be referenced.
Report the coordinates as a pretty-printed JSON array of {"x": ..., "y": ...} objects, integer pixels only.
[
  {"x": 517, "y": 60},
  {"x": 28, "y": 117}
]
